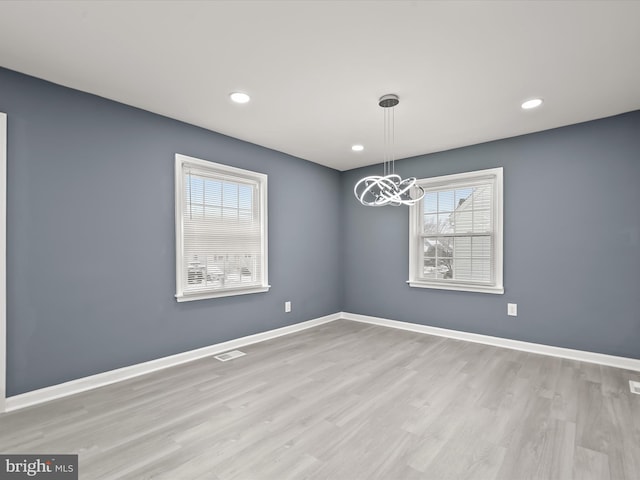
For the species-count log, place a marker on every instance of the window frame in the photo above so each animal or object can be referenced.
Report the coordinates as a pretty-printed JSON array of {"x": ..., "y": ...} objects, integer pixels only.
[
  {"x": 416, "y": 245},
  {"x": 224, "y": 172}
]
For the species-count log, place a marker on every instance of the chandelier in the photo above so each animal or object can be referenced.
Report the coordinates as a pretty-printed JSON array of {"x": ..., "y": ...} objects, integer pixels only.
[{"x": 389, "y": 188}]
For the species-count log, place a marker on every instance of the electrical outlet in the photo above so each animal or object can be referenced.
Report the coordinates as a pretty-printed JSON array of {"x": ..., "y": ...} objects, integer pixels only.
[
  {"x": 287, "y": 307},
  {"x": 512, "y": 309}
]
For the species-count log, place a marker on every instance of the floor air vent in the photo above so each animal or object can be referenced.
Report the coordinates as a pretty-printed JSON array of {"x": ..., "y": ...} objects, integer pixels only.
[
  {"x": 224, "y": 357},
  {"x": 635, "y": 387}
]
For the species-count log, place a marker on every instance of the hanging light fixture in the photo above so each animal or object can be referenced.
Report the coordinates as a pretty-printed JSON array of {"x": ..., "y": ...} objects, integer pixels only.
[{"x": 390, "y": 188}]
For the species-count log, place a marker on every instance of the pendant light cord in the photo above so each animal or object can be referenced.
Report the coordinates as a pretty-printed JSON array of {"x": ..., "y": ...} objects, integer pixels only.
[
  {"x": 390, "y": 188},
  {"x": 389, "y": 136}
]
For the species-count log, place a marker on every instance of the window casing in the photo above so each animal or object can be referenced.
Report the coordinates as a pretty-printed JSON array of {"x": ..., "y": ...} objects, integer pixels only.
[
  {"x": 455, "y": 233},
  {"x": 221, "y": 230}
]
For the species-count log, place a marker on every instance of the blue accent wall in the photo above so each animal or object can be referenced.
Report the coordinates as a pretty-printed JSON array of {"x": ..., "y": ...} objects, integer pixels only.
[
  {"x": 91, "y": 237},
  {"x": 91, "y": 260},
  {"x": 571, "y": 241}
]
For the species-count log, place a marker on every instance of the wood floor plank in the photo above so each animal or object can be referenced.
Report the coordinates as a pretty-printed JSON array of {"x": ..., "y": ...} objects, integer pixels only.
[
  {"x": 349, "y": 401},
  {"x": 591, "y": 465},
  {"x": 564, "y": 441}
]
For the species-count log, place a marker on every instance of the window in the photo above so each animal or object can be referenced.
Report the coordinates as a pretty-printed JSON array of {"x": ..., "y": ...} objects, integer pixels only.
[
  {"x": 456, "y": 233},
  {"x": 221, "y": 230}
]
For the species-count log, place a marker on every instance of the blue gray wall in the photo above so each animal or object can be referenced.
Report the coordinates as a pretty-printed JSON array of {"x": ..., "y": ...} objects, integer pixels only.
[
  {"x": 91, "y": 265},
  {"x": 571, "y": 241},
  {"x": 91, "y": 242}
]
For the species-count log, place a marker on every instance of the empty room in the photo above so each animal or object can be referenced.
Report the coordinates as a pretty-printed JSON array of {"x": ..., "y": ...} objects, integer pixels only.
[{"x": 322, "y": 240}]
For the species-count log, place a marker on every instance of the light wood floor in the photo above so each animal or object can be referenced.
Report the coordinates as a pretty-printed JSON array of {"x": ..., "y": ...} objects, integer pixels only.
[{"x": 349, "y": 401}]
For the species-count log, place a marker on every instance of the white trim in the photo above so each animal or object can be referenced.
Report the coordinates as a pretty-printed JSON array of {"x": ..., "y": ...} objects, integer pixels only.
[
  {"x": 416, "y": 253},
  {"x": 113, "y": 376},
  {"x": 465, "y": 287},
  {"x": 579, "y": 355},
  {"x": 225, "y": 293},
  {"x": 107, "y": 378},
  {"x": 234, "y": 174},
  {"x": 3, "y": 261}
]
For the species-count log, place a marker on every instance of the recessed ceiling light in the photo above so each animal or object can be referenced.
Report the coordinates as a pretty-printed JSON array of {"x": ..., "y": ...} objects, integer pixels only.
[
  {"x": 533, "y": 103},
  {"x": 239, "y": 97},
  {"x": 357, "y": 148}
]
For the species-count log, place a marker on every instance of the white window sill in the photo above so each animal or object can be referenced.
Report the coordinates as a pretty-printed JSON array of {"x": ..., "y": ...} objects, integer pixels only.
[
  {"x": 461, "y": 287},
  {"x": 187, "y": 297}
]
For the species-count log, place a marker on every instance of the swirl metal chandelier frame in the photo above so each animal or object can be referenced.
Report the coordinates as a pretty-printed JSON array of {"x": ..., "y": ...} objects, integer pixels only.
[{"x": 388, "y": 188}]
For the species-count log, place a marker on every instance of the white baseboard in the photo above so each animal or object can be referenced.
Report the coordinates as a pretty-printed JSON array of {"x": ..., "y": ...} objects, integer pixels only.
[
  {"x": 580, "y": 355},
  {"x": 101, "y": 379}
]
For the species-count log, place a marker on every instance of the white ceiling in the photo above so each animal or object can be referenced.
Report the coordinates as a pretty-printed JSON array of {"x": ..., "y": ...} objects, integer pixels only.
[{"x": 315, "y": 69}]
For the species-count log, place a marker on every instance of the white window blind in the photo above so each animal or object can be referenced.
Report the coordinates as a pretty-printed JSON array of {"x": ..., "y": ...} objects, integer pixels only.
[
  {"x": 456, "y": 233},
  {"x": 220, "y": 230}
]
